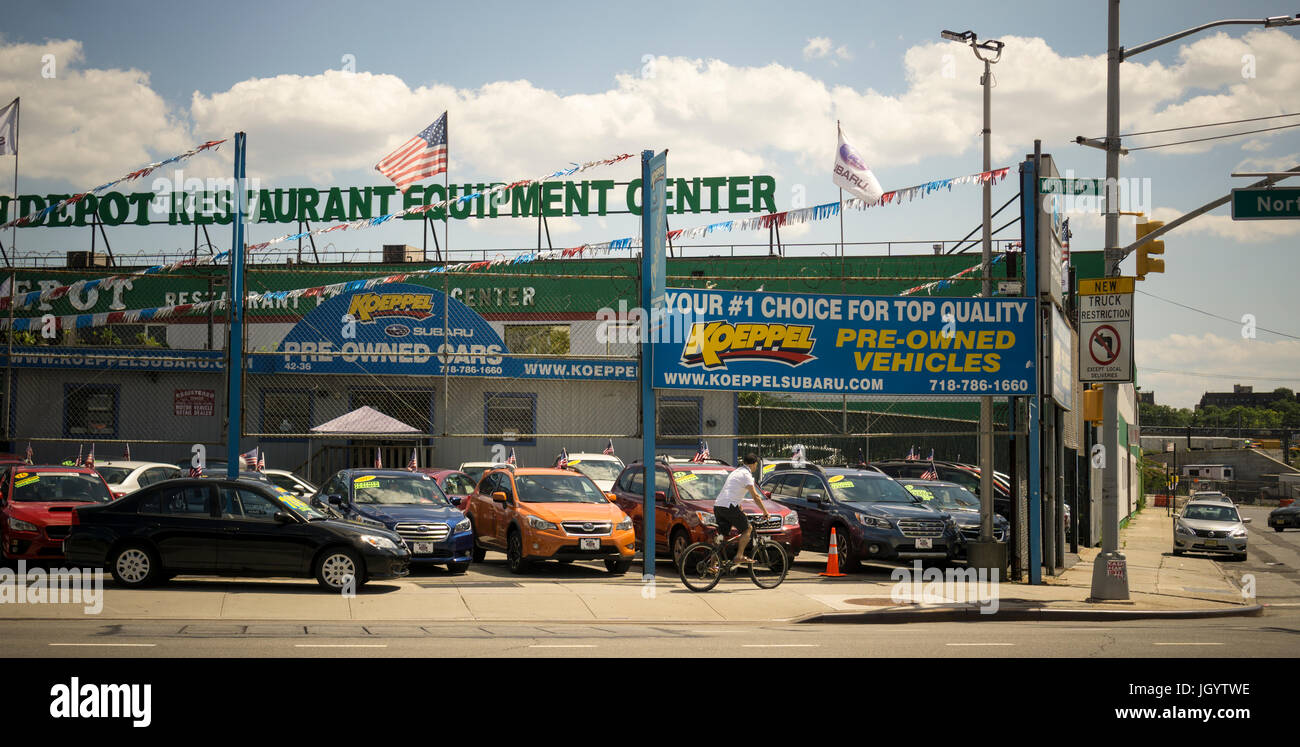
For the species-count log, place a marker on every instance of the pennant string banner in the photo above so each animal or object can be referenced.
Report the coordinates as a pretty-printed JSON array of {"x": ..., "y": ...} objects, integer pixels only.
[
  {"x": 790, "y": 217},
  {"x": 137, "y": 174}
]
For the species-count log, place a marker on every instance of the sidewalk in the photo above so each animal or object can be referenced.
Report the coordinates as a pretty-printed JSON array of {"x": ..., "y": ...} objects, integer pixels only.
[{"x": 1160, "y": 586}]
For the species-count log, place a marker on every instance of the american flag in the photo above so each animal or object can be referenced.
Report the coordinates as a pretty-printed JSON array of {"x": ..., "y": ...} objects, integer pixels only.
[
  {"x": 862, "y": 458},
  {"x": 609, "y": 448},
  {"x": 912, "y": 455},
  {"x": 420, "y": 157},
  {"x": 412, "y": 464},
  {"x": 931, "y": 455},
  {"x": 701, "y": 454},
  {"x": 79, "y": 448},
  {"x": 30, "y": 457},
  {"x": 379, "y": 463},
  {"x": 563, "y": 461},
  {"x": 930, "y": 474},
  {"x": 196, "y": 472},
  {"x": 512, "y": 459},
  {"x": 90, "y": 458},
  {"x": 126, "y": 453},
  {"x": 249, "y": 458},
  {"x": 796, "y": 454},
  {"x": 261, "y": 460}
]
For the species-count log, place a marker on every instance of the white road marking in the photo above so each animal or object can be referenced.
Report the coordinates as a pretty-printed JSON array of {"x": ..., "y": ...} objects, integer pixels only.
[
  {"x": 1082, "y": 630},
  {"x": 1186, "y": 644},
  {"x": 562, "y": 645},
  {"x": 340, "y": 645},
  {"x": 979, "y": 644},
  {"x": 135, "y": 645},
  {"x": 781, "y": 645}
]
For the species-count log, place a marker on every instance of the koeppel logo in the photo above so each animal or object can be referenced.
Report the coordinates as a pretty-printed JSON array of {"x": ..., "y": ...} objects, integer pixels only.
[
  {"x": 75, "y": 700},
  {"x": 712, "y": 344},
  {"x": 397, "y": 330},
  {"x": 365, "y": 307}
]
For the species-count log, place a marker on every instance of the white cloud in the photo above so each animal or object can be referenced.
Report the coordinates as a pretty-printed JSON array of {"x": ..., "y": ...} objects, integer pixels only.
[
  {"x": 1224, "y": 227},
  {"x": 1228, "y": 360},
  {"x": 817, "y": 48},
  {"x": 85, "y": 126}
]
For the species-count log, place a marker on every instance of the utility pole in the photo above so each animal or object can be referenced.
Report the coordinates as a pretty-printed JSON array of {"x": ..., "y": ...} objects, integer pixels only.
[
  {"x": 1110, "y": 569},
  {"x": 986, "y": 552}
]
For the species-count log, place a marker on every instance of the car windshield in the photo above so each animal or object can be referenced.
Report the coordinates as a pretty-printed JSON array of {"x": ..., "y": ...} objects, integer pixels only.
[
  {"x": 296, "y": 503},
  {"x": 475, "y": 473},
  {"x": 114, "y": 475},
  {"x": 598, "y": 469},
  {"x": 558, "y": 489},
  {"x": 1210, "y": 512},
  {"x": 945, "y": 496},
  {"x": 700, "y": 484},
  {"x": 868, "y": 487},
  {"x": 400, "y": 490},
  {"x": 59, "y": 486}
]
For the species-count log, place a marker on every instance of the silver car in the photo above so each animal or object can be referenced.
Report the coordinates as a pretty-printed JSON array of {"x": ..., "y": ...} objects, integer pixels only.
[{"x": 1210, "y": 527}]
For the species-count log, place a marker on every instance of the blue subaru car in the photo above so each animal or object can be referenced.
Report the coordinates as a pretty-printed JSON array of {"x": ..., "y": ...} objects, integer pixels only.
[{"x": 408, "y": 503}]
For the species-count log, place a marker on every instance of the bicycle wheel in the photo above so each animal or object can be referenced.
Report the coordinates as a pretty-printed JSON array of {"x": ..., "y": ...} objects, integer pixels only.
[
  {"x": 770, "y": 565},
  {"x": 700, "y": 568}
]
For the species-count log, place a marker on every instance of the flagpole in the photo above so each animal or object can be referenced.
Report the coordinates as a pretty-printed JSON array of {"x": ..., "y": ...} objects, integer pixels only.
[{"x": 13, "y": 242}]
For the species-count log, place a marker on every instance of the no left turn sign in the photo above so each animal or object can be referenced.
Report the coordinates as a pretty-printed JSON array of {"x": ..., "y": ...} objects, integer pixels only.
[{"x": 1104, "y": 345}]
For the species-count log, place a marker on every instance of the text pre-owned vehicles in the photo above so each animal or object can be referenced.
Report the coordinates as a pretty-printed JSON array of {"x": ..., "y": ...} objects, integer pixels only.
[
  {"x": 961, "y": 504},
  {"x": 456, "y": 485},
  {"x": 965, "y": 475},
  {"x": 533, "y": 513},
  {"x": 1207, "y": 526},
  {"x": 684, "y": 495},
  {"x": 1285, "y": 516},
  {"x": 229, "y": 528},
  {"x": 874, "y": 516},
  {"x": 409, "y": 504},
  {"x": 127, "y": 477},
  {"x": 36, "y": 505},
  {"x": 603, "y": 469}
]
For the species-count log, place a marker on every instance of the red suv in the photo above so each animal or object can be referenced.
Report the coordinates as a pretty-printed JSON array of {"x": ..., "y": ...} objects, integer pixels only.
[
  {"x": 36, "y": 504},
  {"x": 684, "y": 495}
]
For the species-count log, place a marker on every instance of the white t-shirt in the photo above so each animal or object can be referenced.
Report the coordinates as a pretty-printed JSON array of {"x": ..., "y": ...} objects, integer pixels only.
[{"x": 734, "y": 489}]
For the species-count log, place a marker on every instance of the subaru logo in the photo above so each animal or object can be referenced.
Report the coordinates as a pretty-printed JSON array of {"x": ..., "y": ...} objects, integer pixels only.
[
  {"x": 425, "y": 528},
  {"x": 397, "y": 330},
  {"x": 588, "y": 526}
]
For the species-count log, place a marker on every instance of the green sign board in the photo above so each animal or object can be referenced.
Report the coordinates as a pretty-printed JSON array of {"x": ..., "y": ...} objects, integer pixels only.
[{"x": 1266, "y": 203}]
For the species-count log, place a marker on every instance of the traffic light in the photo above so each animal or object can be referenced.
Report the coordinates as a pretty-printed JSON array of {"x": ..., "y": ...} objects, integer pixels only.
[
  {"x": 1145, "y": 263},
  {"x": 1092, "y": 404}
]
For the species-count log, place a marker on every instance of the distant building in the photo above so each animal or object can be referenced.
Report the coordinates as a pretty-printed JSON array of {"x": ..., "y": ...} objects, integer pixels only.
[
  {"x": 1240, "y": 396},
  {"x": 1146, "y": 398}
]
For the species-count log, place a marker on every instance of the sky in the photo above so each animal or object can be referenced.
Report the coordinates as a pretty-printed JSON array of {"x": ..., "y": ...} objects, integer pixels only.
[{"x": 325, "y": 89}]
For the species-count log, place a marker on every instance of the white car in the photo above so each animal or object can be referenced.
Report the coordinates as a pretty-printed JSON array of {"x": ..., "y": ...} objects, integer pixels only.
[
  {"x": 603, "y": 469},
  {"x": 287, "y": 480},
  {"x": 124, "y": 478},
  {"x": 476, "y": 469}
]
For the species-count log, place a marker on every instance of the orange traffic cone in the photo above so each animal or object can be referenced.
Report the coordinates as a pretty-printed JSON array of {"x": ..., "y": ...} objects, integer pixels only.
[{"x": 833, "y": 558}]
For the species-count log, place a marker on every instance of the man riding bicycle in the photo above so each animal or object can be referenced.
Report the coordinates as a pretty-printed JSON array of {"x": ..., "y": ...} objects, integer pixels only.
[{"x": 726, "y": 509}]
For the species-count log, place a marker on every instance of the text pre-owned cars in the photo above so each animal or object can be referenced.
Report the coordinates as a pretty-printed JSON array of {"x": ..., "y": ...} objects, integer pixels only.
[
  {"x": 533, "y": 513},
  {"x": 36, "y": 505},
  {"x": 874, "y": 516},
  {"x": 684, "y": 495},
  {"x": 408, "y": 503},
  {"x": 229, "y": 528}
]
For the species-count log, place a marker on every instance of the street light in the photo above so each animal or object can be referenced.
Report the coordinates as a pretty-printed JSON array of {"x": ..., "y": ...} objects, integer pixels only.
[
  {"x": 986, "y": 552},
  {"x": 1110, "y": 568}
]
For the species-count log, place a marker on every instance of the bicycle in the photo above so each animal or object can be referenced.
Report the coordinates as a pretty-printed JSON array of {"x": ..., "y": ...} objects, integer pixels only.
[{"x": 703, "y": 564}]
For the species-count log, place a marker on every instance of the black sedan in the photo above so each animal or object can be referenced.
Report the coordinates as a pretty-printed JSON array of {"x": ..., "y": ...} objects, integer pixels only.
[
  {"x": 1285, "y": 516},
  {"x": 229, "y": 528}
]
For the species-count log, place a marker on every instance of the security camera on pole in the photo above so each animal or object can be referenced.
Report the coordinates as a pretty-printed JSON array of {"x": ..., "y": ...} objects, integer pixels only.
[{"x": 986, "y": 552}]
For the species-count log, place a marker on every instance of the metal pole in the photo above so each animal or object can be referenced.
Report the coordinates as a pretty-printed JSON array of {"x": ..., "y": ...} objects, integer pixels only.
[
  {"x": 986, "y": 403},
  {"x": 235, "y": 314},
  {"x": 1110, "y": 569},
  {"x": 13, "y": 241}
]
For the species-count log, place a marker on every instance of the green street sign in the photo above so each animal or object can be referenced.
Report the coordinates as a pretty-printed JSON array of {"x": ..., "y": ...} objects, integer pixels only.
[
  {"x": 1266, "y": 203},
  {"x": 1048, "y": 185}
]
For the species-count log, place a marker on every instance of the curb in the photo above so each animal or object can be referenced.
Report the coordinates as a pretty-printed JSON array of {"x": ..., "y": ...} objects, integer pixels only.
[{"x": 1033, "y": 614}]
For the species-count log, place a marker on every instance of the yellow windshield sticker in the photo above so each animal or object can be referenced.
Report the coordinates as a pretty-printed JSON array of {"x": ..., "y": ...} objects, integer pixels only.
[
  {"x": 28, "y": 481},
  {"x": 769, "y": 467},
  {"x": 574, "y": 461},
  {"x": 364, "y": 478},
  {"x": 686, "y": 477},
  {"x": 20, "y": 475},
  {"x": 919, "y": 492},
  {"x": 842, "y": 484},
  {"x": 294, "y": 503},
  {"x": 836, "y": 478}
]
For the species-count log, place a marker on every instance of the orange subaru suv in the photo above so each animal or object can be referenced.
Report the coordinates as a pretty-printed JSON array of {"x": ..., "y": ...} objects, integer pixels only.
[{"x": 534, "y": 514}]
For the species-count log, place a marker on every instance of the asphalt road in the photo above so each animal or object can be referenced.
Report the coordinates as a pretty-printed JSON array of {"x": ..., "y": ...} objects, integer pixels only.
[{"x": 1273, "y": 560}]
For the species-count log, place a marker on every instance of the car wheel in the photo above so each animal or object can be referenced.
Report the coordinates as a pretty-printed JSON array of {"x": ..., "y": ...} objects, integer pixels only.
[
  {"x": 1277, "y": 529},
  {"x": 336, "y": 567},
  {"x": 681, "y": 541},
  {"x": 515, "y": 553},
  {"x": 135, "y": 566},
  {"x": 478, "y": 553},
  {"x": 849, "y": 560},
  {"x": 460, "y": 567},
  {"x": 1241, "y": 556},
  {"x": 1177, "y": 551},
  {"x": 617, "y": 567}
]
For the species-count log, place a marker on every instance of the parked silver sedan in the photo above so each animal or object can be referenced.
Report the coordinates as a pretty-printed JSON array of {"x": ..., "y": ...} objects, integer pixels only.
[{"x": 1210, "y": 527}]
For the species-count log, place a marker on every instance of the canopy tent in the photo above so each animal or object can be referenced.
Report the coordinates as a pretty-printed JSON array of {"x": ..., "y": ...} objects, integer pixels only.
[{"x": 365, "y": 420}]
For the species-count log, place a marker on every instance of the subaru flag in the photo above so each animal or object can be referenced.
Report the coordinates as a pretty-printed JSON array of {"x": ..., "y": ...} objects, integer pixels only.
[{"x": 853, "y": 174}]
